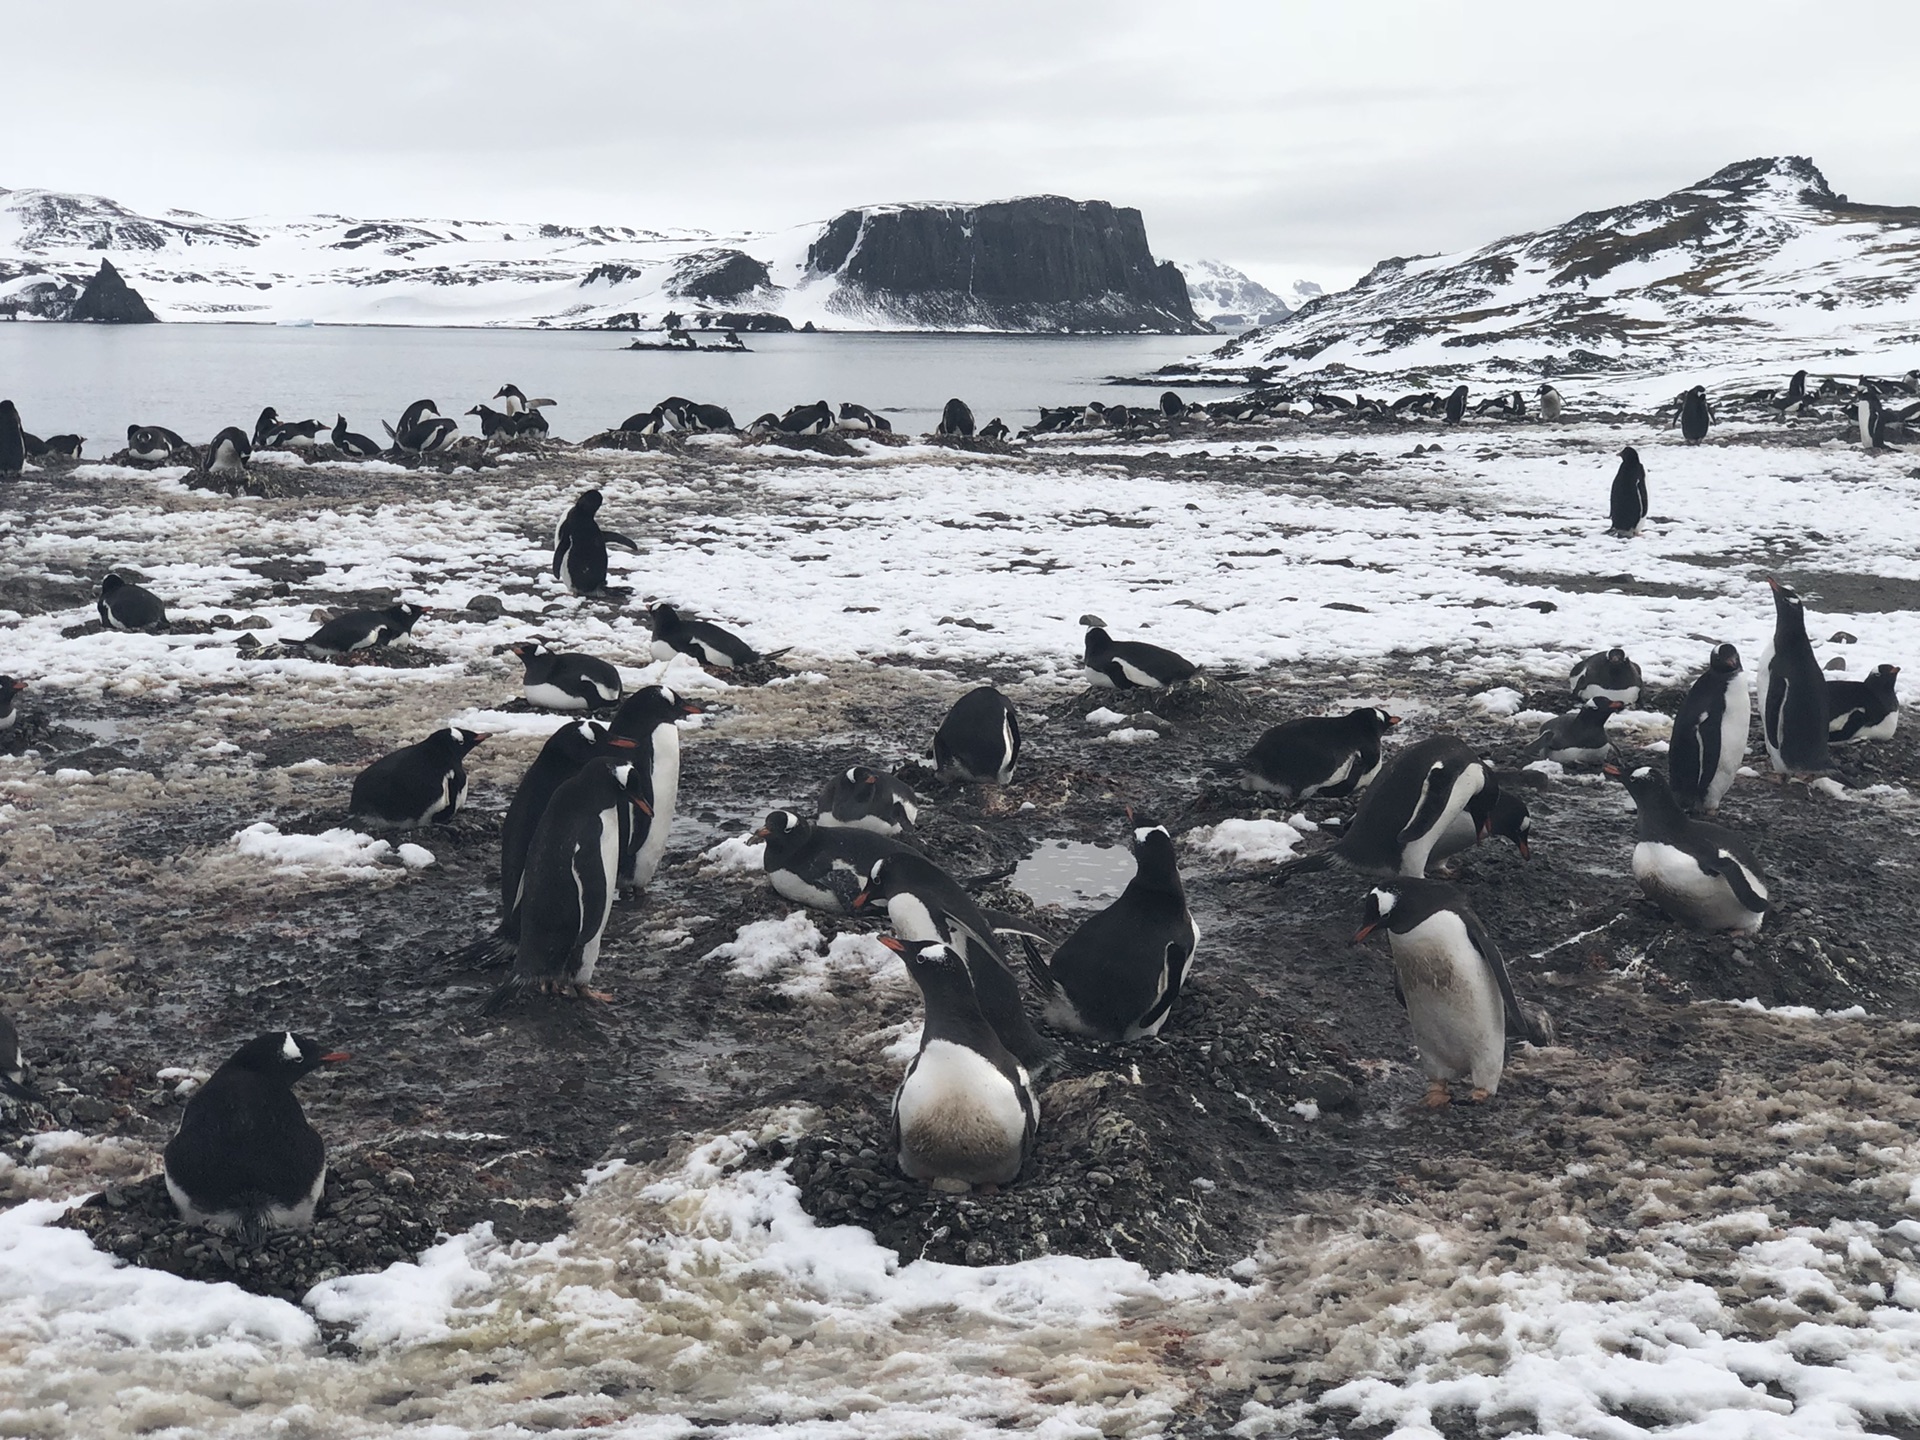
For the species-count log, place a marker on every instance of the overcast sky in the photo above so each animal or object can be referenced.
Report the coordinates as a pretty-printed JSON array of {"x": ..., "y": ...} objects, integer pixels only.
[{"x": 1296, "y": 140}]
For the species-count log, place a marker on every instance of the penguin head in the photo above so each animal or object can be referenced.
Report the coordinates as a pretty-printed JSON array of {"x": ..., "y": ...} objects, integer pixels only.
[
  {"x": 1726, "y": 659},
  {"x": 1093, "y": 622},
  {"x": 526, "y": 649},
  {"x": 632, "y": 779},
  {"x": 109, "y": 583},
  {"x": 463, "y": 740},
  {"x": 589, "y": 502},
  {"x": 283, "y": 1056},
  {"x": 1380, "y": 902},
  {"x": 874, "y": 892},
  {"x": 1509, "y": 818},
  {"x": 1629, "y": 455},
  {"x": 506, "y": 392},
  {"x": 1785, "y": 597},
  {"x": 663, "y": 616},
  {"x": 930, "y": 958},
  {"x": 779, "y": 824},
  {"x": 10, "y": 687},
  {"x": 1373, "y": 715},
  {"x": 407, "y": 612},
  {"x": 650, "y": 707}
]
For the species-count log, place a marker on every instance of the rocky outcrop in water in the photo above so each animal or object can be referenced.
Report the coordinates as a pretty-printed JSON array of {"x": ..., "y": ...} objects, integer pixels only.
[
  {"x": 1039, "y": 263},
  {"x": 109, "y": 300}
]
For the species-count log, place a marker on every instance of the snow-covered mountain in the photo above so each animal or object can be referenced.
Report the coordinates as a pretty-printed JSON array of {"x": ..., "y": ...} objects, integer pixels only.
[
  {"x": 1755, "y": 264},
  {"x": 1230, "y": 299},
  {"x": 332, "y": 268}
]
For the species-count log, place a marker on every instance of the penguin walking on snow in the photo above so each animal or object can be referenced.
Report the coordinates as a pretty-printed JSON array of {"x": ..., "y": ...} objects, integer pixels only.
[
  {"x": 822, "y": 867},
  {"x": 650, "y": 717},
  {"x": 1695, "y": 415},
  {"x": 979, "y": 740},
  {"x": 421, "y": 784},
  {"x": 1793, "y": 691},
  {"x": 1451, "y": 978},
  {"x": 1578, "y": 737},
  {"x": 1609, "y": 675},
  {"x": 965, "y": 1113},
  {"x": 1318, "y": 756},
  {"x": 1628, "y": 506},
  {"x": 13, "y": 442},
  {"x": 1710, "y": 733},
  {"x": 126, "y": 606},
  {"x": 580, "y": 546},
  {"x": 1408, "y": 809},
  {"x": 561, "y": 680},
  {"x": 1856, "y": 709},
  {"x": 676, "y": 634},
  {"x": 1871, "y": 416},
  {"x": 567, "y": 888},
  {"x": 1131, "y": 664},
  {"x": 1118, "y": 976},
  {"x": 862, "y": 798},
  {"x": 362, "y": 630},
  {"x": 1702, "y": 875},
  {"x": 244, "y": 1161}
]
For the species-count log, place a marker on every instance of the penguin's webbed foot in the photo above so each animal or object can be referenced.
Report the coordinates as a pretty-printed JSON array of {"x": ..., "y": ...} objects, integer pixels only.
[
  {"x": 1479, "y": 1096},
  {"x": 587, "y": 992},
  {"x": 1438, "y": 1097}
]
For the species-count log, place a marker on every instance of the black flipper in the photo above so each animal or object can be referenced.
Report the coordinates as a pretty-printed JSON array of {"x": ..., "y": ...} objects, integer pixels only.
[
  {"x": 1037, "y": 967},
  {"x": 614, "y": 537},
  {"x": 1533, "y": 1023}
]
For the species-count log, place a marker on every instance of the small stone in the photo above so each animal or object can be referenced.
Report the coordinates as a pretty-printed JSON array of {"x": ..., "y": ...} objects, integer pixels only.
[
  {"x": 489, "y": 605},
  {"x": 369, "y": 1222},
  {"x": 255, "y": 622},
  {"x": 1838, "y": 662},
  {"x": 1841, "y": 637},
  {"x": 247, "y": 642}
]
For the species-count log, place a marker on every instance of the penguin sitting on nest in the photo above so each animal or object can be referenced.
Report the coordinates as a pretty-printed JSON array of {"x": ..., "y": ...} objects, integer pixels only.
[
  {"x": 979, "y": 741},
  {"x": 1318, "y": 756},
  {"x": 1702, "y": 875},
  {"x": 1608, "y": 675},
  {"x": 1131, "y": 664},
  {"x": 421, "y": 784},
  {"x": 1578, "y": 737},
  {"x": 362, "y": 630},
  {"x": 677, "y": 634},
  {"x": 1863, "y": 709},
  {"x": 1409, "y": 809},
  {"x": 862, "y": 798},
  {"x": 821, "y": 867}
]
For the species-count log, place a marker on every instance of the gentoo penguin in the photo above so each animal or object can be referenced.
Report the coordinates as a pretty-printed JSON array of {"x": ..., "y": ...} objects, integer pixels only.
[
  {"x": 813, "y": 419},
  {"x": 356, "y": 447},
  {"x": 650, "y": 717},
  {"x": 924, "y": 902},
  {"x": 567, "y": 887},
  {"x": 13, "y": 442},
  {"x": 1702, "y": 875},
  {"x": 1856, "y": 709},
  {"x": 264, "y": 428},
  {"x": 1171, "y": 405},
  {"x": 859, "y": 417},
  {"x": 1456, "y": 408},
  {"x": 979, "y": 740},
  {"x": 995, "y": 429},
  {"x": 514, "y": 401},
  {"x": 1508, "y": 819},
  {"x": 1607, "y": 675},
  {"x": 956, "y": 420},
  {"x": 819, "y": 866},
  {"x": 701, "y": 416},
  {"x": 58, "y": 447},
  {"x": 1551, "y": 403},
  {"x": 1131, "y": 664},
  {"x": 1324, "y": 756},
  {"x": 227, "y": 452},
  {"x": 580, "y": 546},
  {"x": 152, "y": 444},
  {"x": 1872, "y": 419},
  {"x": 862, "y": 798},
  {"x": 1627, "y": 506},
  {"x": 1117, "y": 977},
  {"x": 1793, "y": 399},
  {"x": 270, "y": 432},
  {"x": 965, "y": 1112},
  {"x": 1578, "y": 737},
  {"x": 245, "y": 1162},
  {"x": 494, "y": 422},
  {"x": 1695, "y": 416},
  {"x": 560, "y": 680},
  {"x": 674, "y": 634},
  {"x": 1449, "y": 975},
  {"x": 362, "y": 630},
  {"x": 422, "y": 429},
  {"x": 1710, "y": 733},
  {"x": 420, "y": 784},
  {"x": 13, "y": 1066},
  {"x": 126, "y": 606},
  {"x": 1405, "y": 812},
  {"x": 10, "y": 689},
  {"x": 1793, "y": 691}
]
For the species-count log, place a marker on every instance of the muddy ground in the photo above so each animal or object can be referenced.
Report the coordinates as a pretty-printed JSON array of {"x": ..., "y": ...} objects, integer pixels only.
[{"x": 1285, "y": 1075}]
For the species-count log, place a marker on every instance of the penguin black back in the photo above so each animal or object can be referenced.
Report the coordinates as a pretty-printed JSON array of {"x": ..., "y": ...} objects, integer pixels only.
[
  {"x": 1710, "y": 733},
  {"x": 567, "y": 751},
  {"x": 1695, "y": 415},
  {"x": 1628, "y": 503},
  {"x": 13, "y": 442},
  {"x": 980, "y": 738},
  {"x": 1793, "y": 691}
]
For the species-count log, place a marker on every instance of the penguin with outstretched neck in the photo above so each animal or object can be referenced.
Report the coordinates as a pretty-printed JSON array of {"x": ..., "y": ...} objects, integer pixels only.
[
  {"x": 1793, "y": 691},
  {"x": 1710, "y": 733}
]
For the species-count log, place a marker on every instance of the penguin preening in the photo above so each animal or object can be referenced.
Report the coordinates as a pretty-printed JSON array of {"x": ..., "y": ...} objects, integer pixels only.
[
  {"x": 567, "y": 887},
  {"x": 814, "y": 419},
  {"x": 1118, "y": 976},
  {"x": 1131, "y": 664},
  {"x": 228, "y": 452},
  {"x": 421, "y": 784},
  {"x": 650, "y": 717},
  {"x": 355, "y": 447},
  {"x": 965, "y": 1113},
  {"x": 1405, "y": 813},
  {"x": 1627, "y": 505},
  {"x": 1578, "y": 737},
  {"x": 979, "y": 740},
  {"x": 995, "y": 430},
  {"x": 956, "y": 421},
  {"x": 1695, "y": 415},
  {"x": 13, "y": 442},
  {"x": 1608, "y": 675},
  {"x": 1318, "y": 756},
  {"x": 422, "y": 429},
  {"x": 244, "y": 1161},
  {"x": 861, "y": 798},
  {"x": 1702, "y": 875},
  {"x": 819, "y": 866},
  {"x": 580, "y": 546},
  {"x": 125, "y": 606},
  {"x": 563, "y": 680},
  {"x": 363, "y": 630},
  {"x": 1451, "y": 978},
  {"x": 1710, "y": 733},
  {"x": 1856, "y": 709},
  {"x": 674, "y": 633},
  {"x": 1793, "y": 691}
]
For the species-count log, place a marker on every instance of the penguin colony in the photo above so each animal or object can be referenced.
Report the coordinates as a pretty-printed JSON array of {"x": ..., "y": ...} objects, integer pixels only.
[{"x": 590, "y": 818}]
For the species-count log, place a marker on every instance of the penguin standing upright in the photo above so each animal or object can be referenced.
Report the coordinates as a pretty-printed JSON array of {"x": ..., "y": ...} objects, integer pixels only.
[
  {"x": 580, "y": 546},
  {"x": 979, "y": 740},
  {"x": 1408, "y": 809},
  {"x": 1872, "y": 418},
  {"x": 965, "y": 1112},
  {"x": 862, "y": 798},
  {"x": 1450, "y": 976},
  {"x": 1710, "y": 733},
  {"x": 13, "y": 442},
  {"x": 1628, "y": 503},
  {"x": 1793, "y": 691},
  {"x": 1866, "y": 709},
  {"x": 1318, "y": 756},
  {"x": 420, "y": 784},
  {"x": 126, "y": 606},
  {"x": 1695, "y": 415},
  {"x": 228, "y": 452},
  {"x": 650, "y": 717},
  {"x": 1131, "y": 664},
  {"x": 1551, "y": 403},
  {"x": 1456, "y": 407},
  {"x": 1700, "y": 874},
  {"x": 245, "y": 1161},
  {"x": 567, "y": 888},
  {"x": 1117, "y": 977}
]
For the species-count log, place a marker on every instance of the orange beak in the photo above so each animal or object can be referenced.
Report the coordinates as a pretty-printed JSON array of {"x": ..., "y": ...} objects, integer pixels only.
[
  {"x": 894, "y": 943},
  {"x": 1365, "y": 930},
  {"x": 334, "y": 1057},
  {"x": 862, "y": 901},
  {"x": 763, "y": 833},
  {"x": 641, "y": 805}
]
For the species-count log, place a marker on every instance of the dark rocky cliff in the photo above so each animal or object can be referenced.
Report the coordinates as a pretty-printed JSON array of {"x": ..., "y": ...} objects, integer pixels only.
[
  {"x": 1039, "y": 263},
  {"x": 111, "y": 301}
]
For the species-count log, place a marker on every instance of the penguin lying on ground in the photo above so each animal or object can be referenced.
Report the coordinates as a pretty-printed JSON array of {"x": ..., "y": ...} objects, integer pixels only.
[
  {"x": 1793, "y": 691},
  {"x": 1863, "y": 709},
  {"x": 860, "y": 418},
  {"x": 13, "y": 1067},
  {"x": 1609, "y": 675},
  {"x": 126, "y": 606},
  {"x": 706, "y": 642},
  {"x": 580, "y": 546},
  {"x": 1405, "y": 812},
  {"x": 1702, "y": 875},
  {"x": 1117, "y": 977},
  {"x": 995, "y": 430},
  {"x": 362, "y": 630},
  {"x": 57, "y": 447},
  {"x": 421, "y": 784},
  {"x": 965, "y": 1112},
  {"x": 10, "y": 689},
  {"x": 819, "y": 866},
  {"x": 650, "y": 717},
  {"x": 355, "y": 447},
  {"x": 245, "y": 1162},
  {"x": 1450, "y": 976},
  {"x": 865, "y": 799},
  {"x": 152, "y": 444},
  {"x": 979, "y": 740},
  {"x": 1578, "y": 737},
  {"x": 1324, "y": 756},
  {"x": 814, "y": 419},
  {"x": 1710, "y": 733},
  {"x": 562, "y": 680},
  {"x": 1131, "y": 664}
]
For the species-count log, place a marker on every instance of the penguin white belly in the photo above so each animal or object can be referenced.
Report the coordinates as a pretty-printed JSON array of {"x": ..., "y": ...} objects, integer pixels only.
[
  {"x": 1099, "y": 679},
  {"x": 1138, "y": 677},
  {"x": 719, "y": 659},
  {"x": 1625, "y": 694},
  {"x": 1762, "y": 682},
  {"x": 1882, "y": 731},
  {"x": 1367, "y": 779},
  {"x": 1005, "y": 772},
  {"x": 7, "y": 720},
  {"x": 663, "y": 651},
  {"x": 791, "y": 885},
  {"x": 594, "y": 927},
  {"x": 872, "y": 824},
  {"x": 1345, "y": 769},
  {"x": 1414, "y": 855},
  {"x": 1454, "y": 1004},
  {"x": 1580, "y": 755},
  {"x": 552, "y": 697},
  {"x": 440, "y": 802},
  {"x": 1734, "y": 723},
  {"x": 297, "y": 1216},
  {"x": 960, "y": 1119},
  {"x": 666, "y": 793},
  {"x": 1674, "y": 881}
]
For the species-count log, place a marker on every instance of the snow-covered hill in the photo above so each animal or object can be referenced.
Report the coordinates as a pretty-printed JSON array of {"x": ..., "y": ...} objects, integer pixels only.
[
  {"x": 1230, "y": 299},
  {"x": 336, "y": 269},
  {"x": 1757, "y": 264}
]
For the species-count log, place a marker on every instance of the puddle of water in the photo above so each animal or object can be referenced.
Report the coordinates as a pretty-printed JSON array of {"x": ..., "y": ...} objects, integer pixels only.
[{"x": 1073, "y": 873}]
